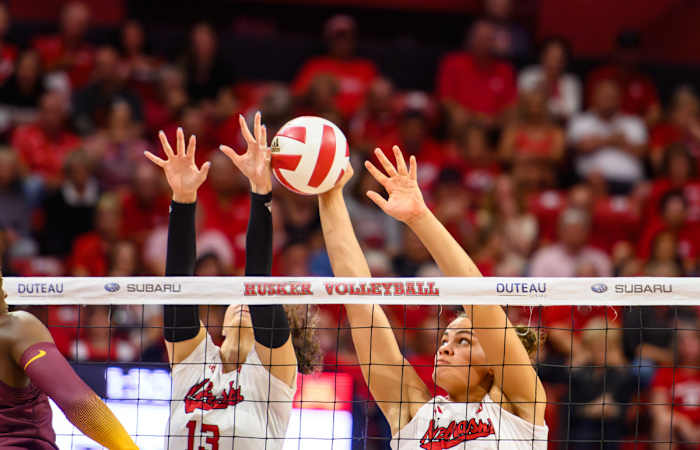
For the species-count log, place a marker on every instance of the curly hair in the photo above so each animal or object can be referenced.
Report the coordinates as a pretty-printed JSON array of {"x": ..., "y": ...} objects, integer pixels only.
[{"x": 303, "y": 323}]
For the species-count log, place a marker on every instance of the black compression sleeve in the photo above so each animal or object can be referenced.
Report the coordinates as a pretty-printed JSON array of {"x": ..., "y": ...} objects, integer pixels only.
[
  {"x": 270, "y": 323},
  {"x": 258, "y": 238},
  {"x": 181, "y": 322}
]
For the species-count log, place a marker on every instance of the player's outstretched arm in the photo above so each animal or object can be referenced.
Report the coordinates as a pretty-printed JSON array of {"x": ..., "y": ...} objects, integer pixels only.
[
  {"x": 34, "y": 351},
  {"x": 372, "y": 334},
  {"x": 273, "y": 342},
  {"x": 182, "y": 328},
  {"x": 516, "y": 377}
]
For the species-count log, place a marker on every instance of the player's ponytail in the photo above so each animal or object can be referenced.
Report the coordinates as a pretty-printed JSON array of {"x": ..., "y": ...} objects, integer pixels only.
[
  {"x": 530, "y": 338},
  {"x": 303, "y": 322}
]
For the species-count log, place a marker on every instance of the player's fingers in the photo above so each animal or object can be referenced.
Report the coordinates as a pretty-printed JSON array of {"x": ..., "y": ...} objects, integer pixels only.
[
  {"x": 192, "y": 147},
  {"x": 413, "y": 168},
  {"x": 244, "y": 130},
  {"x": 376, "y": 173},
  {"x": 400, "y": 162},
  {"x": 204, "y": 171},
  {"x": 257, "y": 126},
  {"x": 377, "y": 199},
  {"x": 167, "y": 149},
  {"x": 180, "y": 140},
  {"x": 388, "y": 166},
  {"x": 231, "y": 153},
  {"x": 262, "y": 142},
  {"x": 154, "y": 159}
]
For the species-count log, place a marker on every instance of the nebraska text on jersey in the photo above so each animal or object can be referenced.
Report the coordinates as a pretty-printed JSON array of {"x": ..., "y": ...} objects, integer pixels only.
[
  {"x": 455, "y": 433},
  {"x": 200, "y": 396}
]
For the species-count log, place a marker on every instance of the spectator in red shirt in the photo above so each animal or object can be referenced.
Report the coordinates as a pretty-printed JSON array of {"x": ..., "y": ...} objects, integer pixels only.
[
  {"x": 353, "y": 75},
  {"x": 8, "y": 52},
  {"x": 140, "y": 67},
  {"x": 639, "y": 96},
  {"x": 92, "y": 104},
  {"x": 21, "y": 92},
  {"x": 224, "y": 202},
  {"x": 43, "y": 146},
  {"x": 674, "y": 214},
  {"x": 678, "y": 172},
  {"x": 675, "y": 393},
  {"x": 145, "y": 205},
  {"x": 682, "y": 127},
  {"x": 91, "y": 251},
  {"x": 534, "y": 144},
  {"x": 474, "y": 83},
  {"x": 170, "y": 99},
  {"x": 376, "y": 119},
  {"x": 68, "y": 50},
  {"x": 206, "y": 70},
  {"x": 413, "y": 137}
]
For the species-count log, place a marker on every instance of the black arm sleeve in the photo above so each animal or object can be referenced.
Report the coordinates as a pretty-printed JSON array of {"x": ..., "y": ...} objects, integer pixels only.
[
  {"x": 270, "y": 323},
  {"x": 181, "y": 322}
]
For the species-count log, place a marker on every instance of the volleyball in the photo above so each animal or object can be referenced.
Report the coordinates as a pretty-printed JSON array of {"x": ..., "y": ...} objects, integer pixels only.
[{"x": 309, "y": 155}]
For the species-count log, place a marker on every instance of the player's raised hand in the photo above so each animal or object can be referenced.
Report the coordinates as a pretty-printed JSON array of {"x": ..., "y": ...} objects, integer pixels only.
[
  {"x": 180, "y": 168},
  {"x": 340, "y": 184},
  {"x": 255, "y": 162},
  {"x": 405, "y": 202}
]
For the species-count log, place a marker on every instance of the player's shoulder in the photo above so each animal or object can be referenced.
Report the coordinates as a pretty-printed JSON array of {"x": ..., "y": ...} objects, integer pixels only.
[{"x": 23, "y": 323}]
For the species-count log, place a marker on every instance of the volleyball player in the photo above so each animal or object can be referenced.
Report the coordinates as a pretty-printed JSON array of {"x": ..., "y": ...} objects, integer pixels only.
[
  {"x": 32, "y": 368},
  {"x": 495, "y": 398},
  {"x": 238, "y": 395}
]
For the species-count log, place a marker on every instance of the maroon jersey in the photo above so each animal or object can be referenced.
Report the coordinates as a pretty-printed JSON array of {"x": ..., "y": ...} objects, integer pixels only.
[{"x": 25, "y": 419}]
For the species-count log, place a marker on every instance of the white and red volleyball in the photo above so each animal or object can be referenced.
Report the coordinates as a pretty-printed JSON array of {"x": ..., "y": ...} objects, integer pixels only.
[{"x": 309, "y": 155}]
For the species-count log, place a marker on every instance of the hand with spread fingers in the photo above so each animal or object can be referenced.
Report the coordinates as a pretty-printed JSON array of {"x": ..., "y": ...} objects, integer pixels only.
[
  {"x": 180, "y": 168},
  {"x": 405, "y": 202},
  {"x": 255, "y": 162}
]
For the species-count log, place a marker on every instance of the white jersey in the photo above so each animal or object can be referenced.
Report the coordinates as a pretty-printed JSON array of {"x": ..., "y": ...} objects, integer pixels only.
[
  {"x": 441, "y": 424},
  {"x": 209, "y": 407}
]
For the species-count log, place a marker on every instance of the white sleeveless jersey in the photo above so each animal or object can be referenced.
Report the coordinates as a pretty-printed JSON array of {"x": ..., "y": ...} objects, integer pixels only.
[
  {"x": 442, "y": 424},
  {"x": 209, "y": 407}
]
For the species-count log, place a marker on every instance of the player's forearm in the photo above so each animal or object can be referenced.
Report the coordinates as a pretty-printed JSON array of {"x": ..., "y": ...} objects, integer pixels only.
[
  {"x": 44, "y": 365},
  {"x": 344, "y": 251},
  {"x": 96, "y": 421},
  {"x": 181, "y": 322},
  {"x": 258, "y": 242},
  {"x": 270, "y": 324},
  {"x": 450, "y": 257}
]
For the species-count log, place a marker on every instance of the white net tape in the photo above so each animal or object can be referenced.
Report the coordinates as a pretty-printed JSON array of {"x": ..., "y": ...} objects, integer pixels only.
[{"x": 387, "y": 291}]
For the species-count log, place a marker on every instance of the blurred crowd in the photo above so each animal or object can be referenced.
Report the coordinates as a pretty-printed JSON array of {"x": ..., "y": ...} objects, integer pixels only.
[{"x": 536, "y": 171}]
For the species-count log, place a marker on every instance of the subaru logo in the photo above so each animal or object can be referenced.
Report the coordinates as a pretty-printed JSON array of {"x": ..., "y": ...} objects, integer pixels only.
[
  {"x": 599, "y": 288},
  {"x": 112, "y": 287}
]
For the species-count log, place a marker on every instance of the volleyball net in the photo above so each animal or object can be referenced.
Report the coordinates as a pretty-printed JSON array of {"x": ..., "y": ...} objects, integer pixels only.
[{"x": 619, "y": 359}]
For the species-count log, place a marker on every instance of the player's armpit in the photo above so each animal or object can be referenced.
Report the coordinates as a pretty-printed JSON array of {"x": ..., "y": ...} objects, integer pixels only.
[{"x": 44, "y": 365}]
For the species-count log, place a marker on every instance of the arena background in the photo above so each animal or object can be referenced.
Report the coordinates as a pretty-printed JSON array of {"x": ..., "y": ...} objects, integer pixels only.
[{"x": 506, "y": 176}]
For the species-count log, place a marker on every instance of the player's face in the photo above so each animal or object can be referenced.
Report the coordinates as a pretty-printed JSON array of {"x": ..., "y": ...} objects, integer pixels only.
[{"x": 460, "y": 359}]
